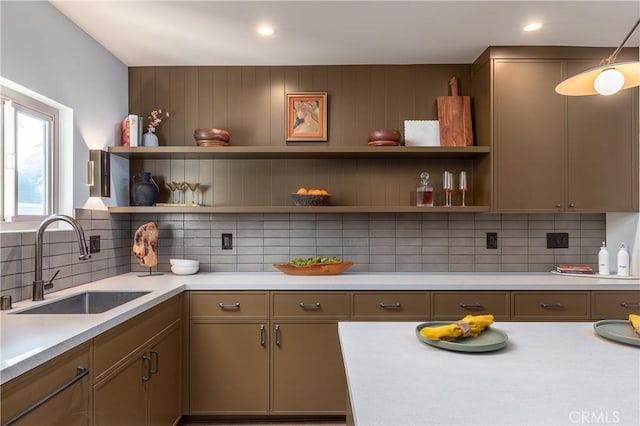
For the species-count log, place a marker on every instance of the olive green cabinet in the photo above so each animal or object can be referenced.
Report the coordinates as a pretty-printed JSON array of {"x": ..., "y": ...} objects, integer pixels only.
[
  {"x": 307, "y": 373},
  {"x": 554, "y": 153},
  {"x": 57, "y": 392},
  {"x": 229, "y": 353},
  {"x": 138, "y": 369}
]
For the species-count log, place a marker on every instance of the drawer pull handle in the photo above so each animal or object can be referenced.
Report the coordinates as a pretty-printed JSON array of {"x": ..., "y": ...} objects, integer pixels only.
[
  {"x": 262, "y": 342},
  {"x": 277, "y": 333},
  {"x": 81, "y": 371},
  {"x": 396, "y": 305},
  {"x": 471, "y": 306},
  {"x": 630, "y": 305},
  {"x": 147, "y": 360},
  {"x": 156, "y": 355},
  {"x": 551, "y": 305},
  {"x": 310, "y": 306},
  {"x": 229, "y": 306}
]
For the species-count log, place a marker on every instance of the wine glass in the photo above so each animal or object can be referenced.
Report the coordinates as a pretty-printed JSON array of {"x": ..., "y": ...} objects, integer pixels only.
[
  {"x": 178, "y": 186},
  {"x": 447, "y": 186},
  {"x": 183, "y": 188},
  {"x": 172, "y": 187},
  {"x": 462, "y": 185},
  {"x": 193, "y": 187}
]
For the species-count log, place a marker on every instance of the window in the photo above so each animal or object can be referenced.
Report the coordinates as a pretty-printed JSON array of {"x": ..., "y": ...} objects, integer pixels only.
[{"x": 28, "y": 146}]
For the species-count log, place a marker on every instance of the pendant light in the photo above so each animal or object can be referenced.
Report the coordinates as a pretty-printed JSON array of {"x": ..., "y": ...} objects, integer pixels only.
[{"x": 608, "y": 78}]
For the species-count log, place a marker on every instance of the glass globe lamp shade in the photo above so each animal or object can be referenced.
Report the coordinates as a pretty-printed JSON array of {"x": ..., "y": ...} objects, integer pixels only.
[{"x": 608, "y": 82}]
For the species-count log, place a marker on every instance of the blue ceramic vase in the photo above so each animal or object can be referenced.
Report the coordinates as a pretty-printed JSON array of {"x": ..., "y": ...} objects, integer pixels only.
[{"x": 144, "y": 190}]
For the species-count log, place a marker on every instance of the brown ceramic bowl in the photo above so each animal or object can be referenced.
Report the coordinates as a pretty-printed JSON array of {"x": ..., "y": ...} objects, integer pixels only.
[
  {"x": 385, "y": 135},
  {"x": 211, "y": 133}
]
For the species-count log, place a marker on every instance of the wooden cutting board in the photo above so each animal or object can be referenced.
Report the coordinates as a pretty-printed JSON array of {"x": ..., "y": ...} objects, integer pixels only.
[{"x": 454, "y": 118}]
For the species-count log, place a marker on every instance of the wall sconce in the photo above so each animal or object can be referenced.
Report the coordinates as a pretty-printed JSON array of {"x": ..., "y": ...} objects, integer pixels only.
[{"x": 99, "y": 173}]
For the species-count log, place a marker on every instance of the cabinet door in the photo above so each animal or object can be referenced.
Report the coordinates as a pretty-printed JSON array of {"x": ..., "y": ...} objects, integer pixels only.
[
  {"x": 229, "y": 368},
  {"x": 121, "y": 398},
  {"x": 528, "y": 134},
  {"x": 164, "y": 387},
  {"x": 307, "y": 371},
  {"x": 70, "y": 407},
  {"x": 602, "y": 149}
]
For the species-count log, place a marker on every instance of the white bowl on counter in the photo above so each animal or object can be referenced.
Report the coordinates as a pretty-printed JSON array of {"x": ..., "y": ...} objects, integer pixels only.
[{"x": 184, "y": 266}]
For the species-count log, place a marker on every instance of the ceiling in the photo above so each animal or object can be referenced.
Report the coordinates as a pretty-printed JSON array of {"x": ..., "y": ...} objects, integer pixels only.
[{"x": 183, "y": 32}]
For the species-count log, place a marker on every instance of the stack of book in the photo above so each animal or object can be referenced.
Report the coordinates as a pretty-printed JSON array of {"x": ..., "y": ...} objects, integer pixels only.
[
  {"x": 574, "y": 269},
  {"x": 132, "y": 131}
]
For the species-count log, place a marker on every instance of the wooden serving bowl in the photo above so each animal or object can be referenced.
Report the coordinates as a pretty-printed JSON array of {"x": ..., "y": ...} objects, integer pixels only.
[
  {"x": 317, "y": 269},
  {"x": 211, "y": 133},
  {"x": 385, "y": 135}
]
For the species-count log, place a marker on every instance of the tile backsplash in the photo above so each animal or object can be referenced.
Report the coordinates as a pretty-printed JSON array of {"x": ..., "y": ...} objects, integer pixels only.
[
  {"x": 60, "y": 252},
  {"x": 403, "y": 242}
]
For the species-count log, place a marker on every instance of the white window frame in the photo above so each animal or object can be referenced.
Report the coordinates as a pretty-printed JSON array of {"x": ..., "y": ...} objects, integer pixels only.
[{"x": 12, "y": 103}]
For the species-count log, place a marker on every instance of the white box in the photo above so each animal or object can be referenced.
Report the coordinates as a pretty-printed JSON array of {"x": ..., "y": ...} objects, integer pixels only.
[{"x": 421, "y": 133}]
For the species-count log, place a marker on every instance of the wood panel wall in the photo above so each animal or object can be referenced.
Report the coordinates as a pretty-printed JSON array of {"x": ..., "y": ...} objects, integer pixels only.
[{"x": 249, "y": 102}]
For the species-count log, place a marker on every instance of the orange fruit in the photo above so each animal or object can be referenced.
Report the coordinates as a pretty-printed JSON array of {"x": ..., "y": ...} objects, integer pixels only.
[
  {"x": 324, "y": 192},
  {"x": 315, "y": 192},
  {"x": 302, "y": 191}
]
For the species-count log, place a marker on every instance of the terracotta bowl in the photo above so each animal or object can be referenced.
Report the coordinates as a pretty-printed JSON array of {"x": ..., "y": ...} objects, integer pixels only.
[{"x": 385, "y": 135}]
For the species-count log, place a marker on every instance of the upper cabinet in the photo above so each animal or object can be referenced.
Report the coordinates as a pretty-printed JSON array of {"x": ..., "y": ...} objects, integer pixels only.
[{"x": 551, "y": 152}]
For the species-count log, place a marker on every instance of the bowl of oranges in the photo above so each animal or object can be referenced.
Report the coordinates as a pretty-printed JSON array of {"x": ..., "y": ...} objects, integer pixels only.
[{"x": 311, "y": 197}]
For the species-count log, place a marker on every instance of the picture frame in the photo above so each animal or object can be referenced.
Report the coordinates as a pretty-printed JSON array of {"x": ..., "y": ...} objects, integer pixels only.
[{"x": 306, "y": 116}]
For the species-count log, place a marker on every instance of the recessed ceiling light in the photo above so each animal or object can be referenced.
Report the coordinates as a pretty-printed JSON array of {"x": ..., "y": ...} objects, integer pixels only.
[
  {"x": 533, "y": 27},
  {"x": 266, "y": 30}
]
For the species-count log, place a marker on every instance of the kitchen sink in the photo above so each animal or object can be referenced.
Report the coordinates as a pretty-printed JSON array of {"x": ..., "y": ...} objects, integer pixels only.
[{"x": 88, "y": 302}]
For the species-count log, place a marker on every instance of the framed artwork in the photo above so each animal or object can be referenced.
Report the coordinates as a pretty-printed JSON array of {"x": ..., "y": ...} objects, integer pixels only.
[{"x": 306, "y": 116}]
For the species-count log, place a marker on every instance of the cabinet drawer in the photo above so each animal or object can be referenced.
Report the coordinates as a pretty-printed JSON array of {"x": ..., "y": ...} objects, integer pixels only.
[
  {"x": 453, "y": 305},
  {"x": 551, "y": 305},
  {"x": 614, "y": 304},
  {"x": 229, "y": 305},
  {"x": 113, "y": 345},
  {"x": 310, "y": 304},
  {"x": 388, "y": 305}
]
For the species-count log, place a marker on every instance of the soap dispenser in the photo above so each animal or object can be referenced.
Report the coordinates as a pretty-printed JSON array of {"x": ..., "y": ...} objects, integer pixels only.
[
  {"x": 603, "y": 260},
  {"x": 623, "y": 261},
  {"x": 424, "y": 192}
]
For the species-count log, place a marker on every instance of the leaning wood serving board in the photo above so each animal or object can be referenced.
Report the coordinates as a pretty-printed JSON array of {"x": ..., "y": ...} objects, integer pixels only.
[{"x": 454, "y": 118}]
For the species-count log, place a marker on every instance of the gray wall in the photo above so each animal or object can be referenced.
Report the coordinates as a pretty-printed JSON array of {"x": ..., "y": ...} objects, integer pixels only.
[{"x": 44, "y": 51}]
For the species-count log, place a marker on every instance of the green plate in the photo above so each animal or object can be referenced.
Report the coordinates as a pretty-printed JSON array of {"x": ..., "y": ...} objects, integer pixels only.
[
  {"x": 617, "y": 330},
  {"x": 489, "y": 340}
]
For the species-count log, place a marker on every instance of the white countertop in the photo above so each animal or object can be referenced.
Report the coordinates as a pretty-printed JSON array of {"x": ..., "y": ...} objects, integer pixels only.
[
  {"x": 27, "y": 341},
  {"x": 549, "y": 374}
]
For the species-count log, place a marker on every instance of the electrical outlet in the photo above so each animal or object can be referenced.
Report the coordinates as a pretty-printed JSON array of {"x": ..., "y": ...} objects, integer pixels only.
[
  {"x": 227, "y": 241},
  {"x": 94, "y": 244},
  {"x": 492, "y": 240},
  {"x": 557, "y": 240}
]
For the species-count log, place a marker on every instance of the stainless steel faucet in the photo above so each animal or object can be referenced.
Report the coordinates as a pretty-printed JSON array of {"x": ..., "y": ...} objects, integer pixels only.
[{"x": 38, "y": 284}]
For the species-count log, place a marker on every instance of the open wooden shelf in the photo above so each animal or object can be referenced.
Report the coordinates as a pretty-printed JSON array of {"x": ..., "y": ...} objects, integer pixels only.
[
  {"x": 286, "y": 152},
  {"x": 296, "y": 209}
]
